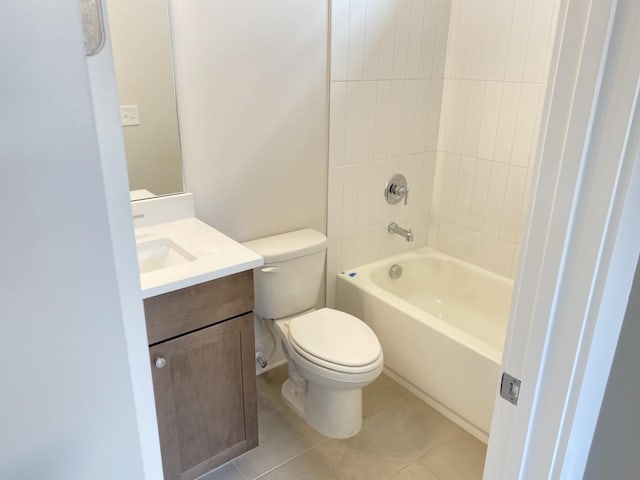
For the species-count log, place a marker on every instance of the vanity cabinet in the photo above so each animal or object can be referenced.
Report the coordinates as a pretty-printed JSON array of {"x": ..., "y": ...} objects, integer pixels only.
[{"x": 202, "y": 353}]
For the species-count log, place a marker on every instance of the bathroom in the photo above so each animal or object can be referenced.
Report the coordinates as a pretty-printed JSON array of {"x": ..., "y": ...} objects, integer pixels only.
[{"x": 338, "y": 127}]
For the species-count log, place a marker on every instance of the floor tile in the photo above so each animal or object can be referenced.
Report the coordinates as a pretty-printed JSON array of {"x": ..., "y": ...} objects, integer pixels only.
[
  {"x": 225, "y": 472},
  {"x": 282, "y": 435},
  {"x": 269, "y": 384},
  {"x": 389, "y": 441},
  {"x": 402, "y": 439},
  {"x": 308, "y": 466},
  {"x": 461, "y": 458},
  {"x": 415, "y": 471},
  {"x": 380, "y": 394}
]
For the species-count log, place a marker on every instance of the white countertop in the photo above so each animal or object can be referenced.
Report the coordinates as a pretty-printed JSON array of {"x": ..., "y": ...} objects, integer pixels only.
[
  {"x": 216, "y": 256},
  {"x": 140, "y": 194}
]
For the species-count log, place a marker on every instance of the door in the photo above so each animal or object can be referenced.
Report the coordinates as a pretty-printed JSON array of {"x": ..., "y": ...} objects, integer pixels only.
[
  {"x": 577, "y": 264},
  {"x": 204, "y": 384}
]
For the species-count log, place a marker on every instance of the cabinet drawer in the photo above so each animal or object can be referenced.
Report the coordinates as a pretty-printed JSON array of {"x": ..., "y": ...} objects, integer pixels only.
[{"x": 189, "y": 309}]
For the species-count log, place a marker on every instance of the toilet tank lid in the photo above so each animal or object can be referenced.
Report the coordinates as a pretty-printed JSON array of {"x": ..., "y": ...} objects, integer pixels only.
[{"x": 287, "y": 246}]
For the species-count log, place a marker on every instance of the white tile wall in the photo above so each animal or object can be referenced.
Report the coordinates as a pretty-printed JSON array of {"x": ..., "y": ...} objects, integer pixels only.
[
  {"x": 494, "y": 83},
  {"x": 449, "y": 93},
  {"x": 387, "y": 65}
]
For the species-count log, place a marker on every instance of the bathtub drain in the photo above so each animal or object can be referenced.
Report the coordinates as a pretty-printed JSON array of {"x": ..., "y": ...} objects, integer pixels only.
[{"x": 395, "y": 271}]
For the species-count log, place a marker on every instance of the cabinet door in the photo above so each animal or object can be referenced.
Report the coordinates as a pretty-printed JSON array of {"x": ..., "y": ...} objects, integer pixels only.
[{"x": 205, "y": 390}]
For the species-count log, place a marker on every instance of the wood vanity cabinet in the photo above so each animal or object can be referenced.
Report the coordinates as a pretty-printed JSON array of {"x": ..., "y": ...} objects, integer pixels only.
[{"x": 202, "y": 353}]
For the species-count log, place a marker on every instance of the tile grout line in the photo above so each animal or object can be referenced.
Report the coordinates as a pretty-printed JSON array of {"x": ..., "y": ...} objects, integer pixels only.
[{"x": 325, "y": 439}]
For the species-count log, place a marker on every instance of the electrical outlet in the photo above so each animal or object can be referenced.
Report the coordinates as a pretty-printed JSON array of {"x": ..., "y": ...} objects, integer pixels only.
[{"x": 129, "y": 115}]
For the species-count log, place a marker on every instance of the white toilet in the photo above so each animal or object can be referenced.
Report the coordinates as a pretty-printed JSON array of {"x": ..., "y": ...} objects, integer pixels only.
[{"x": 331, "y": 354}]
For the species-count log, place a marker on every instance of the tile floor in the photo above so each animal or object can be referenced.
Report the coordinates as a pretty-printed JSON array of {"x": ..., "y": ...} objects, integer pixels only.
[{"x": 402, "y": 438}]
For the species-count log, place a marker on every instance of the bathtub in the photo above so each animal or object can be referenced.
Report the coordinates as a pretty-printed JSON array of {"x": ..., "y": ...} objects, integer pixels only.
[{"x": 441, "y": 324}]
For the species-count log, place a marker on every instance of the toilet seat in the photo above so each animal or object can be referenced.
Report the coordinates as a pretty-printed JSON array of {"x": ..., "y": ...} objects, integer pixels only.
[{"x": 335, "y": 340}]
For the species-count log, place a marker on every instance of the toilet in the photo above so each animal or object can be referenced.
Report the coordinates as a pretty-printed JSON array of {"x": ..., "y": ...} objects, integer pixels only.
[{"x": 331, "y": 355}]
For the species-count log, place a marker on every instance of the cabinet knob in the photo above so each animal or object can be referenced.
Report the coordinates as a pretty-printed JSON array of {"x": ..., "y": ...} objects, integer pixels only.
[{"x": 160, "y": 362}]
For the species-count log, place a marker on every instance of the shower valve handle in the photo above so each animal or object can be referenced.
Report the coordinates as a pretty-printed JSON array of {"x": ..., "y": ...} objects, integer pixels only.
[{"x": 396, "y": 189}]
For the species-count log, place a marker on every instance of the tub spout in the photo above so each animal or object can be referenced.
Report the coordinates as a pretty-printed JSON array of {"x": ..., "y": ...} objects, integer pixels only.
[{"x": 395, "y": 228}]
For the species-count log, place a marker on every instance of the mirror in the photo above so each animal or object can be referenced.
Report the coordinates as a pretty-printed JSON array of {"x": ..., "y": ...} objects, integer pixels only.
[{"x": 141, "y": 43}]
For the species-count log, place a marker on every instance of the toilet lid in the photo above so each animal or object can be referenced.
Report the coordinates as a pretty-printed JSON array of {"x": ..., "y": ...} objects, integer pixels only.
[{"x": 335, "y": 337}]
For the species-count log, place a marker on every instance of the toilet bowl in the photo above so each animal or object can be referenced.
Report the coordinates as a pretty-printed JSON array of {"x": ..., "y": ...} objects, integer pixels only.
[
  {"x": 325, "y": 381},
  {"x": 331, "y": 355}
]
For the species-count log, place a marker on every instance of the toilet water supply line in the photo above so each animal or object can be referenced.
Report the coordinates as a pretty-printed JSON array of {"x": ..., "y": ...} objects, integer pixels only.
[{"x": 261, "y": 360}]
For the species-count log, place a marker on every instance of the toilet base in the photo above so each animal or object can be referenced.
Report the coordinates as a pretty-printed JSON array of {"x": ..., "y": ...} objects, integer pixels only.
[{"x": 333, "y": 413}]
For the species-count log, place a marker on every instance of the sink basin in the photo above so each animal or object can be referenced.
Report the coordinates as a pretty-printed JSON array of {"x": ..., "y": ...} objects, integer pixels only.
[{"x": 161, "y": 253}]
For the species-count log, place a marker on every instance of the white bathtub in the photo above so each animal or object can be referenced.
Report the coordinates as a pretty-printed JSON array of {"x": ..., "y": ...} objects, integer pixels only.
[{"x": 441, "y": 325}]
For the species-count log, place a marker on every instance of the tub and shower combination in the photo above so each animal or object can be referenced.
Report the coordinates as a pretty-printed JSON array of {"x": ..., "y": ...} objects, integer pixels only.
[{"x": 441, "y": 322}]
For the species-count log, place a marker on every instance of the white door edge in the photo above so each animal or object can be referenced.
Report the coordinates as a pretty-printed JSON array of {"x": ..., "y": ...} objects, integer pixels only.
[{"x": 577, "y": 264}]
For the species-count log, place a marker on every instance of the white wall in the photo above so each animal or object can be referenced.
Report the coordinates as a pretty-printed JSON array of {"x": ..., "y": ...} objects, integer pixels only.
[
  {"x": 141, "y": 44},
  {"x": 67, "y": 407},
  {"x": 614, "y": 450},
  {"x": 252, "y": 92},
  {"x": 495, "y": 78},
  {"x": 387, "y": 61}
]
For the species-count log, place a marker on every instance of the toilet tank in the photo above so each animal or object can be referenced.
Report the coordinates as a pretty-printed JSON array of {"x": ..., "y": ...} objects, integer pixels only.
[{"x": 291, "y": 278}]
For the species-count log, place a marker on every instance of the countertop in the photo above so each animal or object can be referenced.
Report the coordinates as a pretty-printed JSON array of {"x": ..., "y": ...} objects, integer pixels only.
[{"x": 216, "y": 256}]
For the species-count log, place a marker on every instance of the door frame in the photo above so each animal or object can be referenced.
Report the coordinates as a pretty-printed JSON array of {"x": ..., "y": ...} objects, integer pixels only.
[{"x": 578, "y": 259}]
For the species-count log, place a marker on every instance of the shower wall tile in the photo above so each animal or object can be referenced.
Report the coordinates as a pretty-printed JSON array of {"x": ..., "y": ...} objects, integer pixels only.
[
  {"x": 495, "y": 199},
  {"x": 334, "y": 205},
  {"x": 518, "y": 41},
  {"x": 465, "y": 189},
  {"x": 418, "y": 139},
  {"x": 506, "y": 122},
  {"x": 495, "y": 73},
  {"x": 488, "y": 123},
  {"x": 401, "y": 43},
  {"x": 512, "y": 220},
  {"x": 383, "y": 107},
  {"x": 373, "y": 28},
  {"x": 479, "y": 194},
  {"x": 415, "y": 38},
  {"x": 353, "y": 122},
  {"x": 435, "y": 102},
  {"x": 455, "y": 95},
  {"x": 387, "y": 37},
  {"x": 363, "y": 210},
  {"x": 350, "y": 201},
  {"x": 445, "y": 236},
  {"x": 473, "y": 119},
  {"x": 386, "y": 93},
  {"x": 527, "y": 123},
  {"x": 498, "y": 30},
  {"x": 428, "y": 39},
  {"x": 543, "y": 24},
  {"x": 368, "y": 123},
  {"x": 396, "y": 116},
  {"x": 409, "y": 134},
  {"x": 427, "y": 187},
  {"x": 489, "y": 252},
  {"x": 441, "y": 29}
]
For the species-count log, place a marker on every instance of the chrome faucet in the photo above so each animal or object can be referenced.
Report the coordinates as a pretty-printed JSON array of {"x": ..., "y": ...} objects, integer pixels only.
[{"x": 395, "y": 228}]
